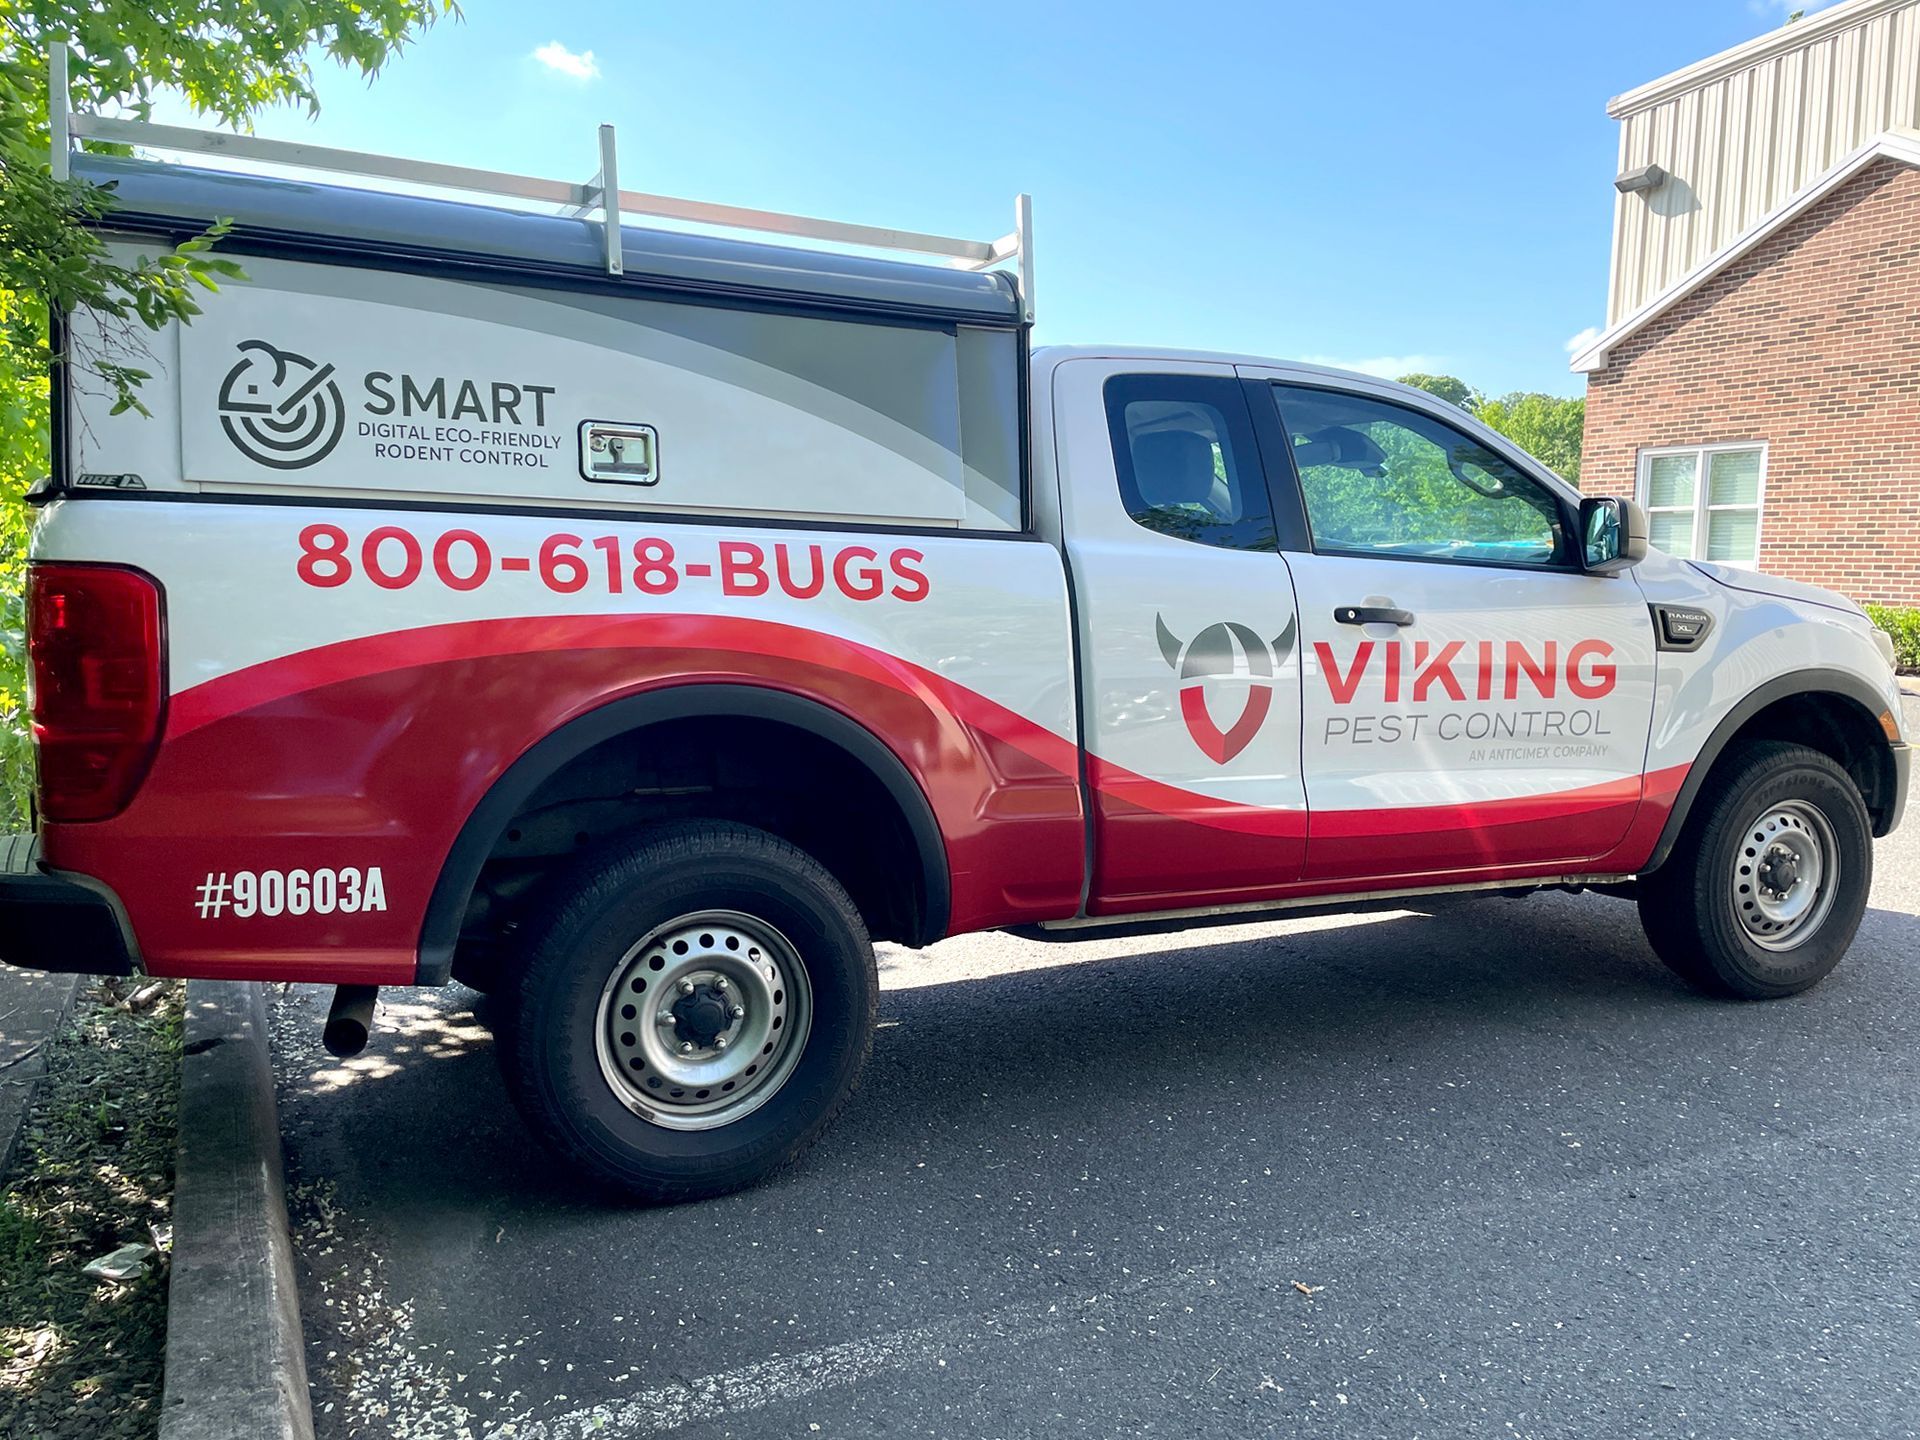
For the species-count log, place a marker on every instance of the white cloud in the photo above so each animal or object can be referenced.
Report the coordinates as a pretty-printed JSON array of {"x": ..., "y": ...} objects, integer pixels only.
[
  {"x": 1390, "y": 367},
  {"x": 579, "y": 67},
  {"x": 1576, "y": 343}
]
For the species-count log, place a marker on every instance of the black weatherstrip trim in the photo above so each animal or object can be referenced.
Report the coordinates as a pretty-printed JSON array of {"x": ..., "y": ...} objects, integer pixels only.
[
  {"x": 1800, "y": 682},
  {"x": 514, "y": 271},
  {"x": 1023, "y": 401},
  {"x": 1284, "y": 495},
  {"x": 57, "y": 418},
  {"x": 1088, "y": 857},
  {"x": 447, "y": 909}
]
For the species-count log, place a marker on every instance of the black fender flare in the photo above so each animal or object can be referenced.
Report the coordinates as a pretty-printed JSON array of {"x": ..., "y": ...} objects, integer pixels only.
[
  {"x": 460, "y": 871},
  {"x": 1842, "y": 683}
]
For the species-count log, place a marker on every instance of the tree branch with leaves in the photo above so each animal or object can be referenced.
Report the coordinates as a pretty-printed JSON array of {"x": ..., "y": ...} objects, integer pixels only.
[{"x": 231, "y": 59}]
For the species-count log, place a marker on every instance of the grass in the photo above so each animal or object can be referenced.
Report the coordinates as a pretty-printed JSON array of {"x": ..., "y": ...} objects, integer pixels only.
[{"x": 93, "y": 1171}]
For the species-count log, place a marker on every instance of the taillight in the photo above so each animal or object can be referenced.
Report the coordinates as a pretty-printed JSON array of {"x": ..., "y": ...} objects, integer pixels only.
[{"x": 98, "y": 684}]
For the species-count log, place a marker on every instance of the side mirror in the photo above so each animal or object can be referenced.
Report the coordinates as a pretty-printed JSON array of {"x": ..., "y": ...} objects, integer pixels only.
[{"x": 1613, "y": 534}]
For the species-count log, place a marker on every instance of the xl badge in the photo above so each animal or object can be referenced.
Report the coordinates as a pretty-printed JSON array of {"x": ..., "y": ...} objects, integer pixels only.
[{"x": 1230, "y": 650}]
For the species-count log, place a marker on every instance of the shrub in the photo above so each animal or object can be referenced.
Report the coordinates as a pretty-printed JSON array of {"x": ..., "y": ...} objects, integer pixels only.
[{"x": 1903, "y": 624}]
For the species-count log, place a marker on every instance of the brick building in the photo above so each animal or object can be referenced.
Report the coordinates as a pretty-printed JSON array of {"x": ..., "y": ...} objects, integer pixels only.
[{"x": 1758, "y": 383}]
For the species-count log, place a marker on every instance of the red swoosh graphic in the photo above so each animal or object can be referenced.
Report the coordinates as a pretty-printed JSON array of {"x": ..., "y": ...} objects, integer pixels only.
[
  {"x": 287, "y": 675},
  {"x": 375, "y": 750}
]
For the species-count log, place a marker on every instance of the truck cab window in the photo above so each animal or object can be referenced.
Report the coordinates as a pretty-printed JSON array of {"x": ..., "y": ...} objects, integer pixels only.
[
  {"x": 1382, "y": 480},
  {"x": 1183, "y": 451}
]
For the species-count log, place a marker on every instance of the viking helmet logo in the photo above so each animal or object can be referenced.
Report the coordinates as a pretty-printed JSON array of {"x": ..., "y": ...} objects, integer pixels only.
[
  {"x": 1225, "y": 649},
  {"x": 279, "y": 408}
]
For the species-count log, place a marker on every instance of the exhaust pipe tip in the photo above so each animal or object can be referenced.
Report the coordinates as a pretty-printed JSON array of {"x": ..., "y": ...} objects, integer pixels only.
[{"x": 349, "y": 1020}]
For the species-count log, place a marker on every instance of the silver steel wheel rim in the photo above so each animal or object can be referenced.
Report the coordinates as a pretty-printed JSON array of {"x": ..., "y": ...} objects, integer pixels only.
[
  {"x": 1785, "y": 873},
  {"x": 665, "y": 1050}
]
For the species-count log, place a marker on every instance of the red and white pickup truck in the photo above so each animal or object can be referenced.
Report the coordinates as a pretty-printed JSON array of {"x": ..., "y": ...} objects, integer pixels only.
[{"x": 638, "y": 625}]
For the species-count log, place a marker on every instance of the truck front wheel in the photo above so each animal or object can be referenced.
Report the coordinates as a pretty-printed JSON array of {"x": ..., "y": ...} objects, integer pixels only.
[
  {"x": 1767, "y": 885},
  {"x": 691, "y": 1012}
]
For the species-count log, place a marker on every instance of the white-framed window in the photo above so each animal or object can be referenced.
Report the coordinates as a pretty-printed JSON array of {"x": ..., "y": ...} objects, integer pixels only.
[{"x": 1703, "y": 501}]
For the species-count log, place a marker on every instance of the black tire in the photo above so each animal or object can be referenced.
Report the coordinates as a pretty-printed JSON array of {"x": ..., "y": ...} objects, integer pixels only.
[
  {"x": 1692, "y": 906},
  {"x": 483, "y": 966},
  {"x": 584, "y": 950}
]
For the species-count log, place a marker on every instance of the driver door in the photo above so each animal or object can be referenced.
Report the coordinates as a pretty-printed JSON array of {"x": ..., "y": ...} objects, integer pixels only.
[{"x": 1473, "y": 701}]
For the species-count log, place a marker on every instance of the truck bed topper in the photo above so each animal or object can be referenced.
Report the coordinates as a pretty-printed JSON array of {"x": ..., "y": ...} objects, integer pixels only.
[{"x": 588, "y": 231}]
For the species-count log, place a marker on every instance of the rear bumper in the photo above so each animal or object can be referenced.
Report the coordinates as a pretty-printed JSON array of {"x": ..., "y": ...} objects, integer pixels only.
[{"x": 51, "y": 921}]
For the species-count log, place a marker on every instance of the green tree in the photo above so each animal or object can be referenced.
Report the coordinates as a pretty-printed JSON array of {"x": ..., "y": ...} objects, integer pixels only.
[
  {"x": 1416, "y": 496},
  {"x": 1447, "y": 387},
  {"x": 1547, "y": 427},
  {"x": 229, "y": 58}
]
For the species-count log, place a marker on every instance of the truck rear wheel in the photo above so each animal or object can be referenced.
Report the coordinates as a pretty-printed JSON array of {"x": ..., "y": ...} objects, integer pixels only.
[
  {"x": 692, "y": 1012},
  {"x": 1764, "y": 891}
]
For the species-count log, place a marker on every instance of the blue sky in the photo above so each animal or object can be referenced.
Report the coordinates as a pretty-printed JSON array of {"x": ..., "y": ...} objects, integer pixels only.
[{"x": 1377, "y": 183}]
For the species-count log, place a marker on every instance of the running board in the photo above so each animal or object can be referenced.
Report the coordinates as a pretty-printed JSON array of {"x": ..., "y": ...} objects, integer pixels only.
[{"x": 1089, "y": 927}]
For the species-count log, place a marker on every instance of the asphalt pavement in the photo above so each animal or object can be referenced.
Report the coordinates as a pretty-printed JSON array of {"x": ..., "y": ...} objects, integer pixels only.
[{"x": 1480, "y": 1168}]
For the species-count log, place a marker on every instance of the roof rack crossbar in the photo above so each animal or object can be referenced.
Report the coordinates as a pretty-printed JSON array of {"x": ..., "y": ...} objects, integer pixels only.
[
  {"x": 184, "y": 140},
  {"x": 601, "y": 196},
  {"x": 59, "y": 108}
]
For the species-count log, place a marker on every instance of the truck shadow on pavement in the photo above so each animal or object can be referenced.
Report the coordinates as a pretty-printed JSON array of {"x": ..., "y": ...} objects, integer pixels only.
[
  {"x": 997, "y": 1055},
  {"x": 1375, "y": 1105}
]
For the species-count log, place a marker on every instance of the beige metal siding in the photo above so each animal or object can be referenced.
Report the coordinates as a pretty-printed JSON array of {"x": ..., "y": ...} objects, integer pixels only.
[{"x": 1741, "y": 133}]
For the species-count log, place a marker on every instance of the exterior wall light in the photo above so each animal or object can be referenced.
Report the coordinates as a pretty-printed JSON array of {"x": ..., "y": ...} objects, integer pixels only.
[{"x": 1647, "y": 177}]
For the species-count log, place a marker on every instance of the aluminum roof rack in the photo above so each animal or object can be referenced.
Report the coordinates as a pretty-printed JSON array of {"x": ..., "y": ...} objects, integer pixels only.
[{"x": 601, "y": 196}]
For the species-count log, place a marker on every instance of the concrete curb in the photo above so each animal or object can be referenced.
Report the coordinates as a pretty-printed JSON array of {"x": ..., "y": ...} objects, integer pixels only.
[
  {"x": 236, "y": 1362},
  {"x": 33, "y": 1007}
]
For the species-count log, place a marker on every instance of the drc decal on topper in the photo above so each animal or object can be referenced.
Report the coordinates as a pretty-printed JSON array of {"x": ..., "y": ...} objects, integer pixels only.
[
  {"x": 279, "y": 408},
  {"x": 300, "y": 380},
  {"x": 1230, "y": 651},
  {"x": 324, "y": 391}
]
